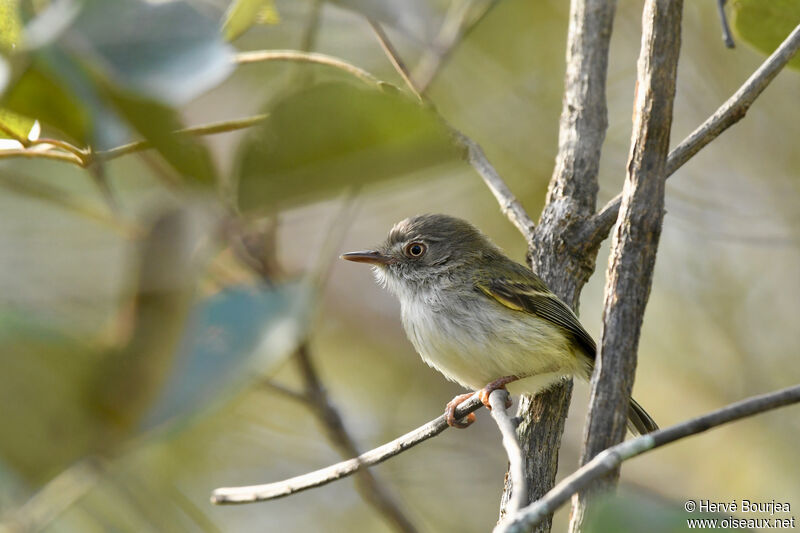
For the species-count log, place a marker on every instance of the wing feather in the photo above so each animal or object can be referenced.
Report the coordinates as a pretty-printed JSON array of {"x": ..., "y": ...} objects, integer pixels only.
[{"x": 534, "y": 297}]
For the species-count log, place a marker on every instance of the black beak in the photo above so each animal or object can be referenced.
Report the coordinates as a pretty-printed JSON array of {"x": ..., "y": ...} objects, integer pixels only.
[{"x": 368, "y": 256}]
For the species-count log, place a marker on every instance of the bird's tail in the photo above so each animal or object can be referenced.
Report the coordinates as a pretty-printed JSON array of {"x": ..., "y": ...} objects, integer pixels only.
[{"x": 639, "y": 422}]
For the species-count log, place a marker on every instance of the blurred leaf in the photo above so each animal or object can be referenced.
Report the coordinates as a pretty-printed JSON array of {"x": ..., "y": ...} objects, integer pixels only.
[
  {"x": 242, "y": 14},
  {"x": 39, "y": 93},
  {"x": 326, "y": 138},
  {"x": 765, "y": 24},
  {"x": 413, "y": 17},
  {"x": 166, "y": 50},
  {"x": 44, "y": 374},
  {"x": 157, "y": 123},
  {"x": 169, "y": 262},
  {"x": 10, "y": 24},
  {"x": 233, "y": 337},
  {"x": 19, "y": 125}
]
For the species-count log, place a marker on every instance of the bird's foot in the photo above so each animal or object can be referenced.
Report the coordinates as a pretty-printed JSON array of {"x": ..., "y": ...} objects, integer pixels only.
[
  {"x": 450, "y": 412},
  {"x": 496, "y": 385}
]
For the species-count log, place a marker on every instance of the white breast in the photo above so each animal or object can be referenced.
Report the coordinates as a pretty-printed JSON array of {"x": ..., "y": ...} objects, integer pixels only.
[{"x": 473, "y": 340}]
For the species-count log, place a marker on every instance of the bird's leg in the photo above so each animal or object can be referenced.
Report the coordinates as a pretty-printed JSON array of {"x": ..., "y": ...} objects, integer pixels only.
[
  {"x": 499, "y": 383},
  {"x": 450, "y": 412}
]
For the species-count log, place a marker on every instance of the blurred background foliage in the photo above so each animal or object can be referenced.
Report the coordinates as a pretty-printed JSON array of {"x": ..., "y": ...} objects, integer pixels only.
[{"x": 152, "y": 295}]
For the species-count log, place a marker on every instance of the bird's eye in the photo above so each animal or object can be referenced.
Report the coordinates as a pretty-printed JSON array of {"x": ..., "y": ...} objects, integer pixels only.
[{"x": 415, "y": 249}]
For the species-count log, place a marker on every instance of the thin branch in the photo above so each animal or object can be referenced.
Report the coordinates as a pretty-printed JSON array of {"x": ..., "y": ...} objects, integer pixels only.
[
  {"x": 261, "y": 255},
  {"x": 516, "y": 460},
  {"x": 509, "y": 205},
  {"x": 30, "y": 153},
  {"x": 453, "y": 30},
  {"x": 732, "y": 111},
  {"x": 258, "y": 56},
  {"x": 610, "y": 459},
  {"x": 727, "y": 38},
  {"x": 206, "y": 129},
  {"x": 271, "y": 491},
  {"x": 83, "y": 158},
  {"x": 288, "y": 392},
  {"x": 394, "y": 56},
  {"x": 371, "y": 489},
  {"x": 64, "y": 145}
]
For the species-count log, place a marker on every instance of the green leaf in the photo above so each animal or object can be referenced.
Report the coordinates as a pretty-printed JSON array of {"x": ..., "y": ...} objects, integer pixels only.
[
  {"x": 242, "y": 14},
  {"x": 232, "y": 338},
  {"x": 10, "y": 24},
  {"x": 766, "y": 23},
  {"x": 20, "y": 126},
  {"x": 158, "y": 123},
  {"x": 44, "y": 373},
  {"x": 327, "y": 138},
  {"x": 40, "y": 93}
]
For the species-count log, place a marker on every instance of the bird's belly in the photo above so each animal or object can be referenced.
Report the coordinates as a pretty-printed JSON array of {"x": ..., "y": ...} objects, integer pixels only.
[{"x": 474, "y": 349}]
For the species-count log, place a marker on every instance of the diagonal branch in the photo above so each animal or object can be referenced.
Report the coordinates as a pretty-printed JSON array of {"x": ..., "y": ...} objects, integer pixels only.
[
  {"x": 368, "y": 485},
  {"x": 732, "y": 111},
  {"x": 271, "y": 491},
  {"x": 610, "y": 459},
  {"x": 258, "y": 250},
  {"x": 205, "y": 129},
  {"x": 258, "y": 56},
  {"x": 509, "y": 205},
  {"x": 456, "y": 26}
]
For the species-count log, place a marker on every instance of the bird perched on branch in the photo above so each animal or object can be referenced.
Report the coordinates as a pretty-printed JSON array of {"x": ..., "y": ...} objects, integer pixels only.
[{"x": 481, "y": 319}]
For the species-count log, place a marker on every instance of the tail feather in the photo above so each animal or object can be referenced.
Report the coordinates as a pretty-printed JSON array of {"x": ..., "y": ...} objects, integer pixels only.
[{"x": 639, "y": 422}]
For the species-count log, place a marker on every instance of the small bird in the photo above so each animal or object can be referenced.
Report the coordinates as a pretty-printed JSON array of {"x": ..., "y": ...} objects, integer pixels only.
[{"x": 478, "y": 317}]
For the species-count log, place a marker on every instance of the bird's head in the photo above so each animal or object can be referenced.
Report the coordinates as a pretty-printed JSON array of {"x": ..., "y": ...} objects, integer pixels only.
[{"x": 420, "y": 249}]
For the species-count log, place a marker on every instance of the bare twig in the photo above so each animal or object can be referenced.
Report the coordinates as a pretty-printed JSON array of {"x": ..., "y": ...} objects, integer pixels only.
[
  {"x": 635, "y": 243},
  {"x": 270, "y": 491},
  {"x": 732, "y": 111},
  {"x": 454, "y": 28},
  {"x": 516, "y": 461},
  {"x": 205, "y": 129},
  {"x": 509, "y": 205},
  {"x": 610, "y": 459},
  {"x": 83, "y": 158},
  {"x": 257, "y": 56},
  {"x": 369, "y": 487},
  {"x": 58, "y": 495},
  {"x": 727, "y": 38},
  {"x": 393, "y": 55},
  {"x": 292, "y": 394},
  {"x": 64, "y": 145},
  {"x": 32, "y": 153},
  {"x": 262, "y": 257}
]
